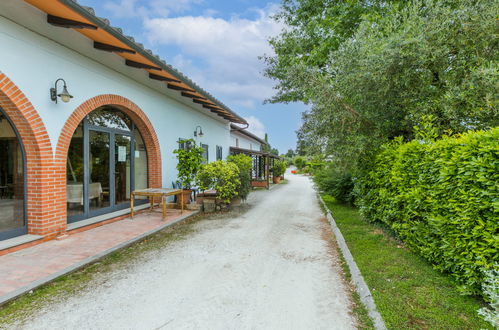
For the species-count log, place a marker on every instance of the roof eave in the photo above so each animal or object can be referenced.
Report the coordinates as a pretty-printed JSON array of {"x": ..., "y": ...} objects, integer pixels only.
[{"x": 108, "y": 28}]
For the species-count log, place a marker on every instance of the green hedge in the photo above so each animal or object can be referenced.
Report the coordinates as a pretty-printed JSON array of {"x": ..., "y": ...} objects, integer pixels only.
[{"x": 442, "y": 199}]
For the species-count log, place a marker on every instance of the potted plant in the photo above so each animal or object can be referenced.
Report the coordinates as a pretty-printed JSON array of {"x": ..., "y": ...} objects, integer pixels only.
[
  {"x": 221, "y": 176},
  {"x": 189, "y": 159},
  {"x": 278, "y": 170}
]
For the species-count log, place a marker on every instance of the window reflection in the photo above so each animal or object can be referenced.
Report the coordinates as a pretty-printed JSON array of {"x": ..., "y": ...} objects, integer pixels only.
[
  {"x": 11, "y": 178},
  {"x": 74, "y": 173},
  {"x": 140, "y": 162},
  {"x": 111, "y": 118}
]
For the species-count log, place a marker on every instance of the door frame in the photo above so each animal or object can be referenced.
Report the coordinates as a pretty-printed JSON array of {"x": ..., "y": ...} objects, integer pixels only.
[
  {"x": 87, "y": 213},
  {"x": 24, "y": 229}
]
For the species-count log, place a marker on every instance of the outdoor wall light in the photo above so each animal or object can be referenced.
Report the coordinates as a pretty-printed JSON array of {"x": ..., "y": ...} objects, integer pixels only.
[
  {"x": 64, "y": 95},
  {"x": 200, "y": 131}
]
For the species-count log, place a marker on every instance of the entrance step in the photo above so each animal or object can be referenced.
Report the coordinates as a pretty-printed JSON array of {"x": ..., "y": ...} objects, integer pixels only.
[{"x": 19, "y": 240}]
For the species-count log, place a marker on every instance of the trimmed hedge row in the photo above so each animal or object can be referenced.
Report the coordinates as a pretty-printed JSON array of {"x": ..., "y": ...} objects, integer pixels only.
[{"x": 442, "y": 199}]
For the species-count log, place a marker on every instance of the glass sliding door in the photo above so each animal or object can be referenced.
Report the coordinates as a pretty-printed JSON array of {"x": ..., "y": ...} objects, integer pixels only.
[
  {"x": 107, "y": 160},
  {"x": 74, "y": 174},
  {"x": 99, "y": 170},
  {"x": 122, "y": 167},
  {"x": 12, "y": 185}
]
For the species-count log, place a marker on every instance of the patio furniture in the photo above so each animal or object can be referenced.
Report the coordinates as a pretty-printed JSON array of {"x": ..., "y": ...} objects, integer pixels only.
[
  {"x": 74, "y": 192},
  {"x": 152, "y": 193},
  {"x": 178, "y": 185}
]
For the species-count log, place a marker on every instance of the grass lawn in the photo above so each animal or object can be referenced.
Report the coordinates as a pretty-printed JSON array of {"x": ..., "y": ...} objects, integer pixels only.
[{"x": 408, "y": 292}]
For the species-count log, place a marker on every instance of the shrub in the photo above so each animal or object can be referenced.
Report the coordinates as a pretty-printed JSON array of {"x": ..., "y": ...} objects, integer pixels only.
[
  {"x": 221, "y": 176},
  {"x": 189, "y": 162},
  {"x": 491, "y": 294},
  {"x": 279, "y": 167},
  {"x": 244, "y": 164},
  {"x": 299, "y": 162},
  {"x": 336, "y": 183},
  {"x": 442, "y": 198}
]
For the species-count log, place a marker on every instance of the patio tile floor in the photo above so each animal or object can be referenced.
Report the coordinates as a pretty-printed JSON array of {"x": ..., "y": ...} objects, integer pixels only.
[{"x": 25, "y": 269}]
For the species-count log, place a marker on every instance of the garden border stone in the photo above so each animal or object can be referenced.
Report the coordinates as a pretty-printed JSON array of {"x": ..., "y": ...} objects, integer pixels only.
[{"x": 360, "y": 285}]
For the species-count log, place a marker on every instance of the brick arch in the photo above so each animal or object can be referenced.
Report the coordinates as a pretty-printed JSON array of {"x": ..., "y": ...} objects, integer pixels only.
[
  {"x": 136, "y": 114},
  {"x": 43, "y": 217}
]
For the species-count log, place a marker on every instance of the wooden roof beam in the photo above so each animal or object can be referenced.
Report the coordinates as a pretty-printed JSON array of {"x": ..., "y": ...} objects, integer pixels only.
[
  {"x": 162, "y": 78},
  {"x": 111, "y": 48},
  {"x": 218, "y": 112},
  {"x": 203, "y": 102},
  {"x": 68, "y": 23},
  {"x": 192, "y": 95},
  {"x": 179, "y": 88},
  {"x": 141, "y": 65}
]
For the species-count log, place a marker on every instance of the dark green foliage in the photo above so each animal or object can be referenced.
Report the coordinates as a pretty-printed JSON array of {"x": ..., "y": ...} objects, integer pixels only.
[
  {"x": 244, "y": 163},
  {"x": 336, "y": 183},
  {"x": 442, "y": 199}
]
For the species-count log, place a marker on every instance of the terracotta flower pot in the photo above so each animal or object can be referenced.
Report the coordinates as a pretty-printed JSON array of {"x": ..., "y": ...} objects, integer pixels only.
[
  {"x": 186, "y": 193},
  {"x": 236, "y": 201},
  {"x": 276, "y": 179}
]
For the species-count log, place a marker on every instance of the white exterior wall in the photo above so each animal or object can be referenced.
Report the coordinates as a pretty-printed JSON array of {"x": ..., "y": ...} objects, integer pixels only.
[
  {"x": 245, "y": 141},
  {"x": 34, "y": 60}
]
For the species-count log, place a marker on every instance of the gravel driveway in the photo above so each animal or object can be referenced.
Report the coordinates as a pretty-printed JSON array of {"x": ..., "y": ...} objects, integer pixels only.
[{"x": 268, "y": 268}]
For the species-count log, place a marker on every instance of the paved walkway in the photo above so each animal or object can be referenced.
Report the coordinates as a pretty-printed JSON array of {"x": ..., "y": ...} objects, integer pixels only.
[
  {"x": 271, "y": 267},
  {"x": 23, "y": 269}
]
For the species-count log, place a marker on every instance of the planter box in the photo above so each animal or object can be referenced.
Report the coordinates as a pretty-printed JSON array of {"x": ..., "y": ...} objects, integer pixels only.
[
  {"x": 209, "y": 205},
  {"x": 263, "y": 184},
  {"x": 235, "y": 201},
  {"x": 186, "y": 195}
]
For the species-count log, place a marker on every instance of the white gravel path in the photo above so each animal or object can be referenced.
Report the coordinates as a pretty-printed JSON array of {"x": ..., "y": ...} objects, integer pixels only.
[{"x": 269, "y": 268}]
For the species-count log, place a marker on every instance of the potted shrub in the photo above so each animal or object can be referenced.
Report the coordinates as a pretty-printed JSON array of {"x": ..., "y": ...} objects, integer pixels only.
[
  {"x": 245, "y": 164},
  {"x": 221, "y": 176},
  {"x": 189, "y": 159},
  {"x": 278, "y": 170}
]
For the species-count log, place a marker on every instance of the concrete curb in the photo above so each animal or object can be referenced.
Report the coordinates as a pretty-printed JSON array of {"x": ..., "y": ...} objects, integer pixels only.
[
  {"x": 360, "y": 285},
  {"x": 14, "y": 294}
]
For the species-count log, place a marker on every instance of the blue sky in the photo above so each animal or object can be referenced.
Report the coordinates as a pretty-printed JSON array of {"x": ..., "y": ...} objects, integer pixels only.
[{"x": 216, "y": 43}]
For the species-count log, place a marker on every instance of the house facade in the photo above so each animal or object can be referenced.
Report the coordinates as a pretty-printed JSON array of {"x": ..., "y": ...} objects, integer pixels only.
[
  {"x": 88, "y": 115},
  {"x": 242, "y": 138},
  {"x": 245, "y": 142}
]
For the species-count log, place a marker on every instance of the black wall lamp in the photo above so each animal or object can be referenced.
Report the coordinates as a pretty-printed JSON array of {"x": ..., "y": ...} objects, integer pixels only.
[
  {"x": 64, "y": 95},
  {"x": 200, "y": 131}
]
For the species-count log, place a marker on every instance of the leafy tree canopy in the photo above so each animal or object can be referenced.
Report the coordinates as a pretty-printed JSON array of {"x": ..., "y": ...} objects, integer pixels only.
[{"x": 384, "y": 67}]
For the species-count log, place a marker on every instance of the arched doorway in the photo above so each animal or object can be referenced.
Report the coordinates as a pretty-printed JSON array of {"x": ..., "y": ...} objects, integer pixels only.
[
  {"x": 107, "y": 159},
  {"x": 12, "y": 180}
]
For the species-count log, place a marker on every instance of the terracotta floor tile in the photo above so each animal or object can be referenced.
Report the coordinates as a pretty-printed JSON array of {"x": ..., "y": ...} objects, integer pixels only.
[{"x": 23, "y": 267}]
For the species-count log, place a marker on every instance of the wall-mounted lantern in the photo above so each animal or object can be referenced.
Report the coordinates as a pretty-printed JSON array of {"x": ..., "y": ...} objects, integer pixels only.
[
  {"x": 64, "y": 95},
  {"x": 200, "y": 133}
]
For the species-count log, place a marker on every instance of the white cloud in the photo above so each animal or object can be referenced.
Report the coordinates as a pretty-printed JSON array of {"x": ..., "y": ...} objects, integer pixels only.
[
  {"x": 154, "y": 8},
  {"x": 224, "y": 51},
  {"x": 256, "y": 126}
]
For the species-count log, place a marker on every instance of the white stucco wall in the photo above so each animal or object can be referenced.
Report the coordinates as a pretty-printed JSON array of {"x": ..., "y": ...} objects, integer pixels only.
[
  {"x": 245, "y": 141},
  {"x": 34, "y": 60}
]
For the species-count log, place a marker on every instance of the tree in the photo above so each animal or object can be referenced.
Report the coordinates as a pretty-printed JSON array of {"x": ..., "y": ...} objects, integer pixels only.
[
  {"x": 314, "y": 28},
  {"x": 424, "y": 58}
]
